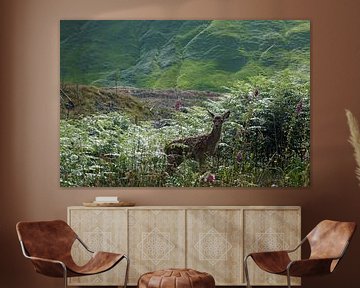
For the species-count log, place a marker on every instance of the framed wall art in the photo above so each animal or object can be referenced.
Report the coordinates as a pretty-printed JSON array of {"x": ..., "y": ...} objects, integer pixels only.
[{"x": 179, "y": 103}]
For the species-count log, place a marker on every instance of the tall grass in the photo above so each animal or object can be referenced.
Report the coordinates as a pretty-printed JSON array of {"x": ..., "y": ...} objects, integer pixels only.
[{"x": 265, "y": 142}]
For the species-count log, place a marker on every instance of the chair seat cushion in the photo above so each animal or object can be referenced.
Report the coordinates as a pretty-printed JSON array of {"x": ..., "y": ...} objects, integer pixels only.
[
  {"x": 272, "y": 262},
  {"x": 176, "y": 278},
  {"x": 99, "y": 262}
]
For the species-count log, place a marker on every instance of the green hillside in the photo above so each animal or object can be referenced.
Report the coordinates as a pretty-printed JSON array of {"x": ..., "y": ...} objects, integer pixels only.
[{"x": 198, "y": 55}]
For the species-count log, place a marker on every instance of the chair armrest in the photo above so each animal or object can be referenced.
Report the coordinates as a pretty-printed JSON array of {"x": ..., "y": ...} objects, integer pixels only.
[
  {"x": 45, "y": 260},
  {"x": 281, "y": 251},
  {"x": 298, "y": 246},
  {"x": 309, "y": 267},
  {"x": 48, "y": 267}
]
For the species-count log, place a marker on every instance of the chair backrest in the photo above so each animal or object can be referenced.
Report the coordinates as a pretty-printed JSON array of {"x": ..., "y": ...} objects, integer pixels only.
[
  {"x": 46, "y": 239},
  {"x": 329, "y": 239}
]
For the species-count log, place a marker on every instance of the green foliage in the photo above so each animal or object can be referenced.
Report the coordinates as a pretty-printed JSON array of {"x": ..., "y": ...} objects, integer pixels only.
[
  {"x": 110, "y": 150},
  {"x": 211, "y": 77},
  {"x": 272, "y": 129},
  {"x": 265, "y": 142},
  {"x": 202, "y": 55},
  {"x": 110, "y": 139}
]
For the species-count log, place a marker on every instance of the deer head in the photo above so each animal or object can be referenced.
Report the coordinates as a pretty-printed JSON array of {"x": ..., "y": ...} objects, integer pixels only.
[{"x": 218, "y": 120}]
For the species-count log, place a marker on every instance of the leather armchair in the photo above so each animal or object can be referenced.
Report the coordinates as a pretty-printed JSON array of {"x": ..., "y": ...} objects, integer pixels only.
[
  {"x": 48, "y": 245},
  {"x": 328, "y": 242}
]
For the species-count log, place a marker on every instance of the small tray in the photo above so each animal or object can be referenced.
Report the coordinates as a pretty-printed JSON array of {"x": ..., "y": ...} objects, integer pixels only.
[{"x": 120, "y": 204}]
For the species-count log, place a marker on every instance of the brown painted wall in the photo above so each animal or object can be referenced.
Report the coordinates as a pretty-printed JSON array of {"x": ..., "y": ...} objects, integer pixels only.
[{"x": 29, "y": 112}]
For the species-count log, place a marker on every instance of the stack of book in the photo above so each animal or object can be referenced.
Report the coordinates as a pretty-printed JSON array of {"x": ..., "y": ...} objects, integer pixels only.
[{"x": 106, "y": 199}]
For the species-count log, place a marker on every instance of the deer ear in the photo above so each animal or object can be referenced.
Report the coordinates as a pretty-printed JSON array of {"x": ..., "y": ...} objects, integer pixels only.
[
  {"x": 211, "y": 114},
  {"x": 226, "y": 115}
]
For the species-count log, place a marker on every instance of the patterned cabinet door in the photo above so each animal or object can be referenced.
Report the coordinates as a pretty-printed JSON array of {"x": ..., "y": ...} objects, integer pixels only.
[
  {"x": 156, "y": 240},
  {"x": 101, "y": 230},
  {"x": 214, "y": 244},
  {"x": 269, "y": 230}
]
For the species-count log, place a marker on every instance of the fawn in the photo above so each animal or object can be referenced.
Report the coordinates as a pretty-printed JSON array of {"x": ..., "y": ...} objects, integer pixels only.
[{"x": 197, "y": 147}]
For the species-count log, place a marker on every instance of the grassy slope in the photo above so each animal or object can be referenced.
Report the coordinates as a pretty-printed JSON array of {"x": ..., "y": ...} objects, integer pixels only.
[
  {"x": 203, "y": 55},
  {"x": 90, "y": 100}
]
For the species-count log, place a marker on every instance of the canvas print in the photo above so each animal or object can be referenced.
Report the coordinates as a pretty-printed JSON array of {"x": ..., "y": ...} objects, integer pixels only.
[{"x": 181, "y": 103}]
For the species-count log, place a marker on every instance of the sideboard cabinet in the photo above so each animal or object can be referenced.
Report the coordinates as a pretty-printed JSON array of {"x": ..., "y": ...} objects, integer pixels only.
[{"x": 211, "y": 239}]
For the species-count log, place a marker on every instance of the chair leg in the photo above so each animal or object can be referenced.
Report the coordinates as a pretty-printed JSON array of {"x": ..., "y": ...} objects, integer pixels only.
[
  {"x": 127, "y": 271},
  {"x": 246, "y": 270},
  {"x": 65, "y": 275},
  {"x": 288, "y": 278}
]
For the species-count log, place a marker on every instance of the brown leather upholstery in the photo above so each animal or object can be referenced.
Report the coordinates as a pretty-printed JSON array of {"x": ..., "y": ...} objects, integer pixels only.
[
  {"x": 272, "y": 262},
  {"x": 328, "y": 239},
  {"x": 328, "y": 242},
  {"x": 52, "y": 240},
  {"x": 176, "y": 278}
]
